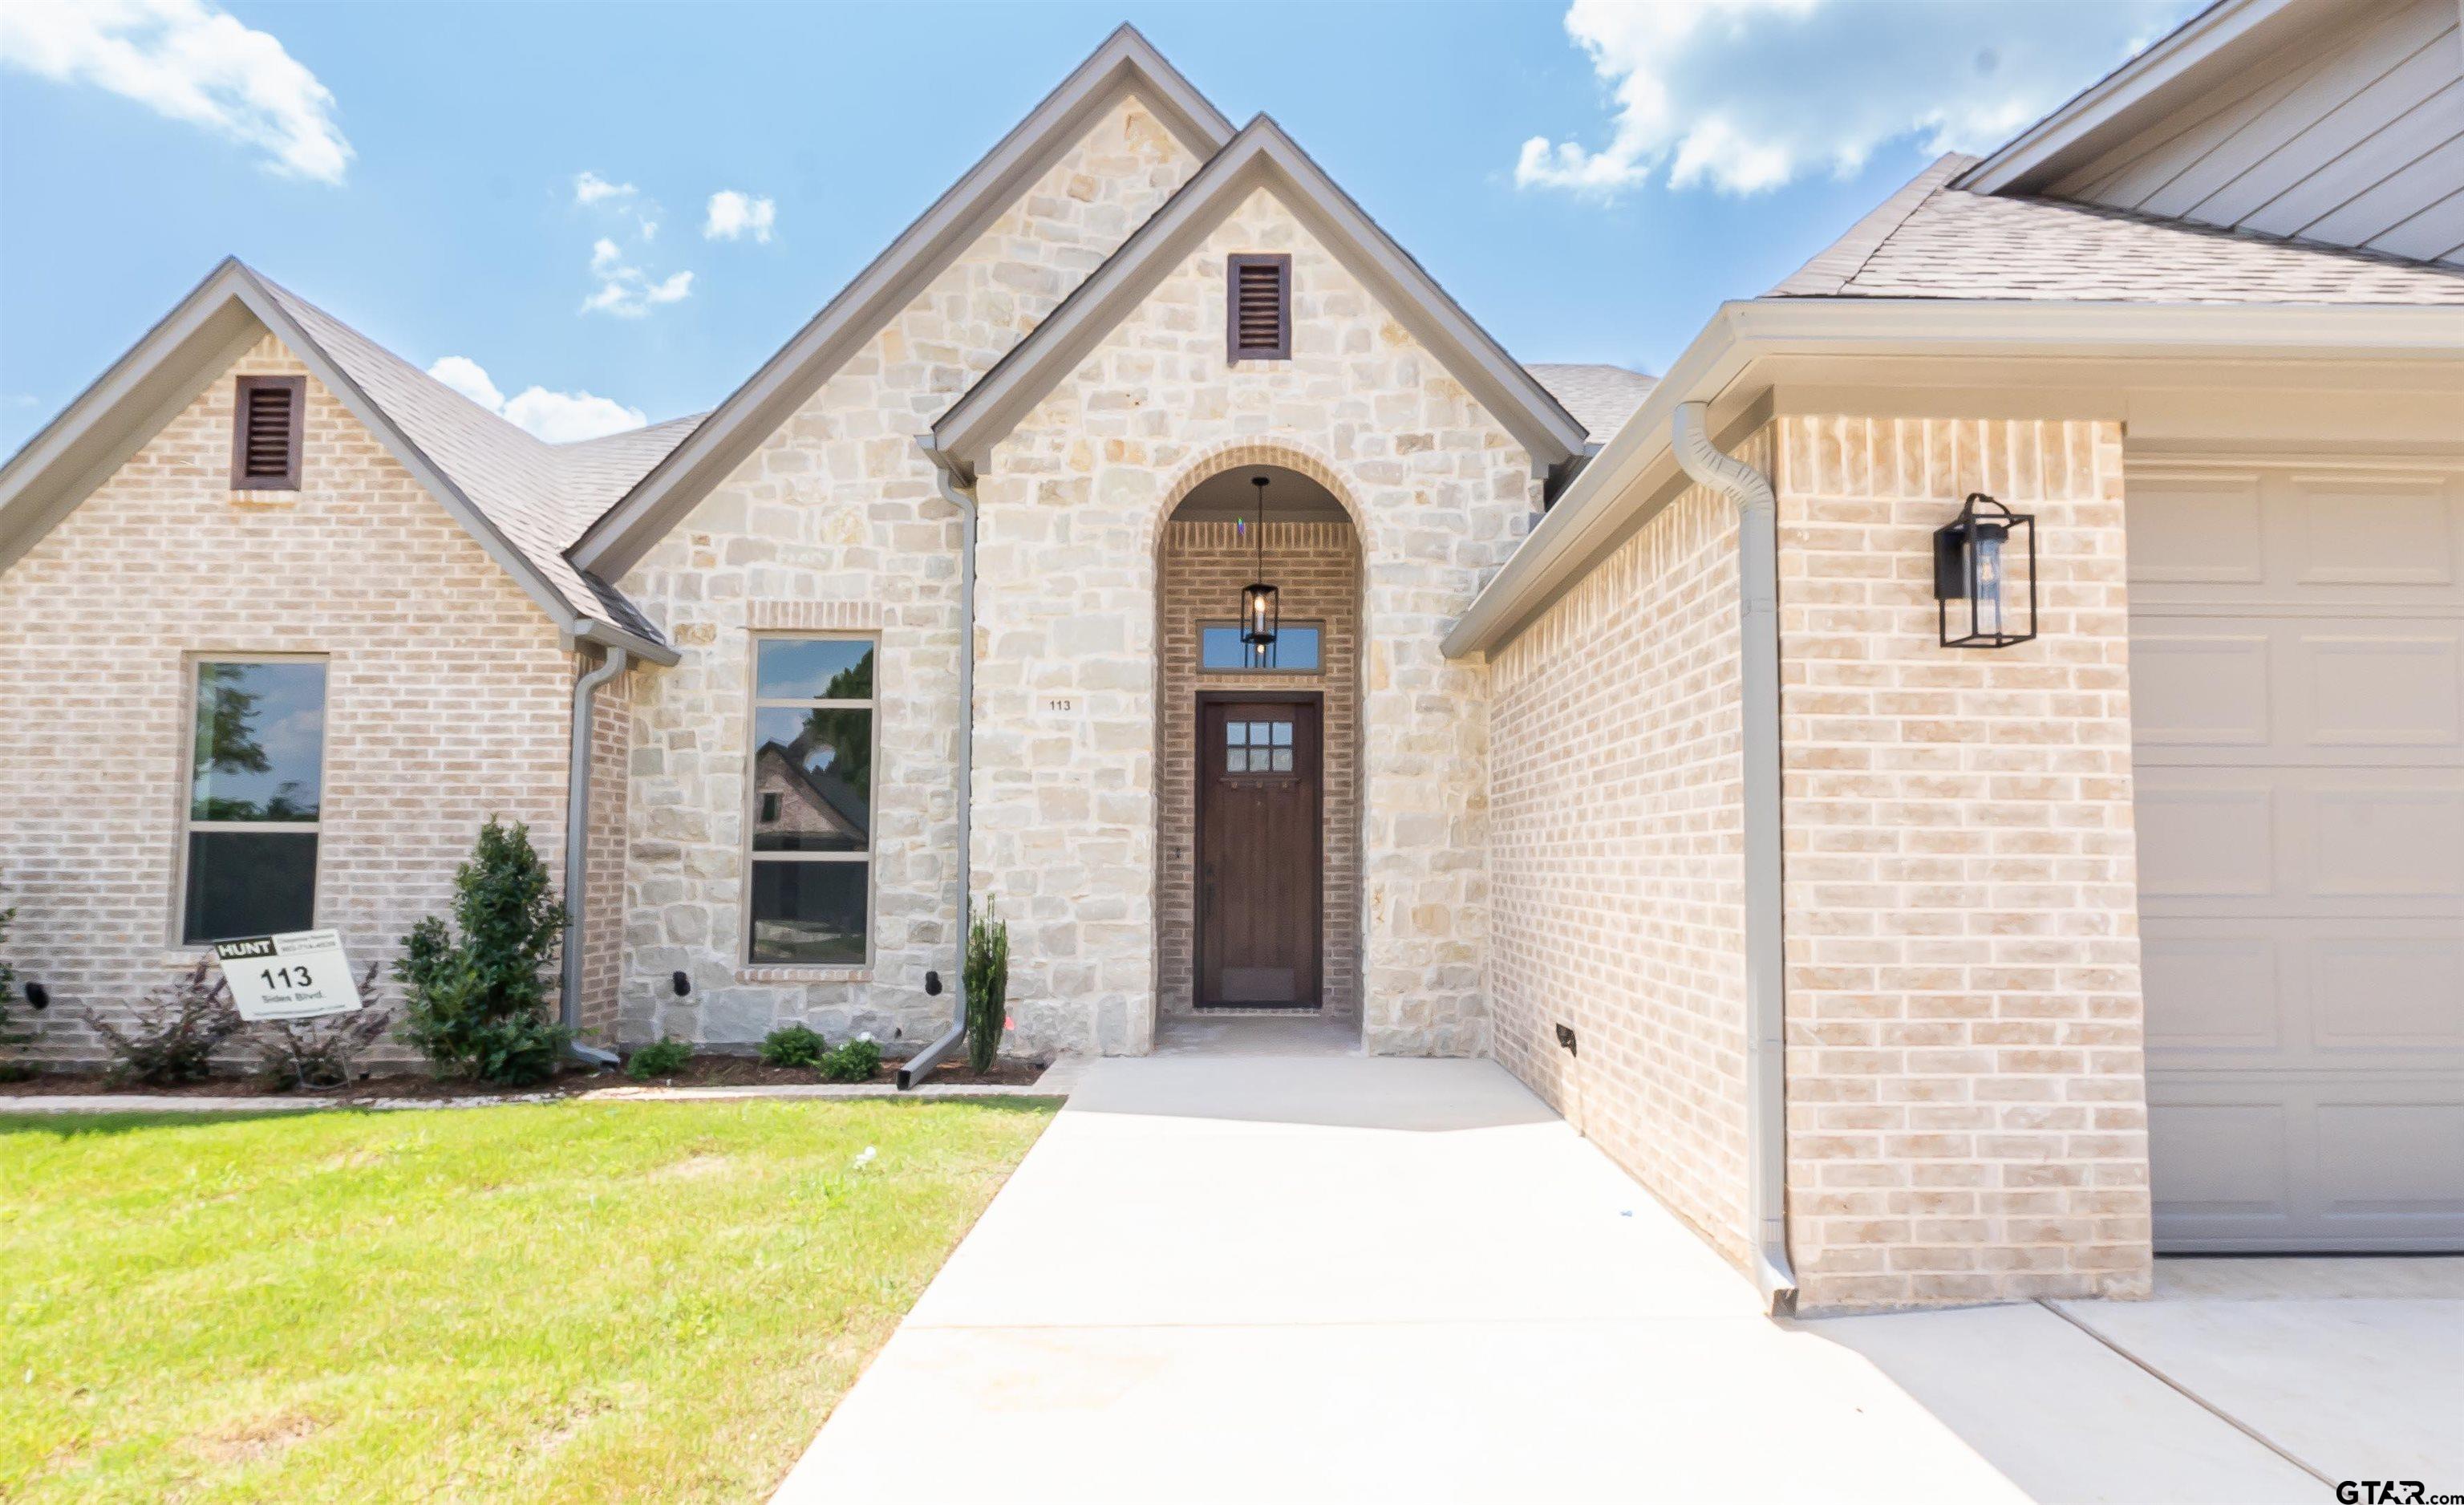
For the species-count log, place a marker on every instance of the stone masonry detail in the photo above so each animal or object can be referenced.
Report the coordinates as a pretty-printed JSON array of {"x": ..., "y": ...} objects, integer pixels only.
[
  {"x": 1966, "y": 1097},
  {"x": 836, "y": 517},
  {"x": 1072, "y": 504}
]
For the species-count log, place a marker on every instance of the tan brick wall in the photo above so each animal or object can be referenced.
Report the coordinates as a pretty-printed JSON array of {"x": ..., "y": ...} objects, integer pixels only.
[
  {"x": 835, "y": 520},
  {"x": 603, "y": 949},
  {"x": 1966, "y": 1101},
  {"x": 447, "y": 695},
  {"x": 1316, "y": 570},
  {"x": 1072, "y": 504},
  {"x": 1617, "y": 858}
]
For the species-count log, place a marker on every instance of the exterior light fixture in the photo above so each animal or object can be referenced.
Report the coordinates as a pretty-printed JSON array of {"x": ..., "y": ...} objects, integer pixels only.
[
  {"x": 1979, "y": 602},
  {"x": 1261, "y": 611}
]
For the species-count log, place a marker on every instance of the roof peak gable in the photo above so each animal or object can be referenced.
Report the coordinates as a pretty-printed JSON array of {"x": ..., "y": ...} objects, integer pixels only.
[
  {"x": 1261, "y": 156},
  {"x": 1127, "y": 64}
]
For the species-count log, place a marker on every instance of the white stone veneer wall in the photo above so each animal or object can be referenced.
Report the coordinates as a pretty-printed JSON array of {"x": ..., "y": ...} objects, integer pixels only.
[
  {"x": 835, "y": 522},
  {"x": 1072, "y": 502}
]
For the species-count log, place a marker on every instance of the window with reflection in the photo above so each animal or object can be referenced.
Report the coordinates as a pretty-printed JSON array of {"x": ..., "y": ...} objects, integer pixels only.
[
  {"x": 257, "y": 773},
  {"x": 1293, "y": 652},
  {"x": 810, "y": 844}
]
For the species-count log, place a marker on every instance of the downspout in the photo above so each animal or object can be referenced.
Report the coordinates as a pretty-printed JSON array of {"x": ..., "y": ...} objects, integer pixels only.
[
  {"x": 946, "y": 474},
  {"x": 577, "y": 838},
  {"x": 1766, "y": 983}
]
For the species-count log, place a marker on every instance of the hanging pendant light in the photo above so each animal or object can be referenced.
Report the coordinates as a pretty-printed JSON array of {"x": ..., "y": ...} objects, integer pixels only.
[{"x": 1261, "y": 613}]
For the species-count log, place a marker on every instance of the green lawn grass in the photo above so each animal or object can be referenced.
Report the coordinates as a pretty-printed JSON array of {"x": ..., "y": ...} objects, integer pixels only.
[{"x": 568, "y": 1301}]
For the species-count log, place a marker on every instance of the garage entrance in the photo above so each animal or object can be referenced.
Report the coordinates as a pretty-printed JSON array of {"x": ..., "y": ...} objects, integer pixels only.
[{"x": 2298, "y": 700}]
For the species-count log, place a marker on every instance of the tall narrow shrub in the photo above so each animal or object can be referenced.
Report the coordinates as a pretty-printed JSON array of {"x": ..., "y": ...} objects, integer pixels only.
[
  {"x": 987, "y": 974},
  {"x": 476, "y": 993}
]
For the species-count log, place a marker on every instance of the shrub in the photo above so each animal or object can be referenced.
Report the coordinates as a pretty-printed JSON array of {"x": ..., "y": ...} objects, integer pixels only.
[
  {"x": 987, "y": 977},
  {"x": 792, "y": 1045},
  {"x": 852, "y": 1062},
  {"x": 476, "y": 1004},
  {"x": 318, "y": 1054},
  {"x": 175, "y": 1032},
  {"x": 662, "y": 1057}
]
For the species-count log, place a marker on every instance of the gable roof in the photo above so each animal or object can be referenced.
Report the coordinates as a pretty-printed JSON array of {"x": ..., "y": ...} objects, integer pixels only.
[
  {"x": 1261, "y": 156},
  {"x": 1126, "y": 64},
  {"x": 520, "y": 497},
  {"x": 1933, "y": 239}
]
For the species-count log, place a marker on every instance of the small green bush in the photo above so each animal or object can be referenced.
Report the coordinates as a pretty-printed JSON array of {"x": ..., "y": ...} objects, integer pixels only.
[
  {"x": 793, "y": 1044},
  {"x": 663, "y": 1058},
  {"x": 318, "y": 1054},
  {"x": 852, "y": 1062},
  {"x": 477, "y": 1002},
  {"x": 987, "y": 977},
  {"x": 11, "y": 1037}
]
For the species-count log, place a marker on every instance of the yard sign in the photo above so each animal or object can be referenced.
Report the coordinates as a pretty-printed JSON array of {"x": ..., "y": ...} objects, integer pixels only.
[{"x": 300, "y": 975}]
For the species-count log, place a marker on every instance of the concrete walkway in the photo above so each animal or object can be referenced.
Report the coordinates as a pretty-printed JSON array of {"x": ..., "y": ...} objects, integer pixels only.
[{"x": 1250, "y": 1277}]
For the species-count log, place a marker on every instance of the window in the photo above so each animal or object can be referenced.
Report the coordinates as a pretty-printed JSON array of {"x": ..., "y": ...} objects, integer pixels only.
[
  {"x": 1258, "y": 307},
  {"x": 1257, "y": 746},
  {"x": 255, "y": 784},
  {"x": 811, "y": 845},
  {"x": 267, "y": 414},
  {"x": 1293, "y": 652}
]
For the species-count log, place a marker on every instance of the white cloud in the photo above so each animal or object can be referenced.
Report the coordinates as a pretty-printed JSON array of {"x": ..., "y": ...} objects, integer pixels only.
[
  {"x": 734, "y": 216},
  {"x": 624, "y": 289},
  {"x": 1747, "y": 95},
  {"x": 187, "y": 61},
  {"x": 589, "y": 188},
  {"x": 558, "y": 417},
  {"x": 469, "y": 378}
]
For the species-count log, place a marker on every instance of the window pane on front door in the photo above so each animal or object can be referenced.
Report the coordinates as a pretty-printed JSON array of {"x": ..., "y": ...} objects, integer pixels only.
[
  {"x": 248, "y": 883},
  {"x": 808, "y": 913},
  {"x": 261, "y": 741}
]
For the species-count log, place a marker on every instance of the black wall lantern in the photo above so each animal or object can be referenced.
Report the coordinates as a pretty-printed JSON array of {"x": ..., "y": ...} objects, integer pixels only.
[
  {"x": 1261, "y": 613},
  {"x": 1975, "y": 586}
]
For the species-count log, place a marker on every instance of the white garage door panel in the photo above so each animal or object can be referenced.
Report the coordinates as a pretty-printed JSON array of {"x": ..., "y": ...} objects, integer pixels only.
[
  {"x": 2327, "y": 1163},
  {"x": 2298, "y": 702}
]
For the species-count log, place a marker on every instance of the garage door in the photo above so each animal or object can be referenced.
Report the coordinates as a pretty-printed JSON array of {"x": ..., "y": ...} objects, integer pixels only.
[{"x": 2297, "y": 707}]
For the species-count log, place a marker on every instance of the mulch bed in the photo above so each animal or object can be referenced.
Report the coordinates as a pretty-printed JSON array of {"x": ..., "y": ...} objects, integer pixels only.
[{"x": 396, "y": 1085}]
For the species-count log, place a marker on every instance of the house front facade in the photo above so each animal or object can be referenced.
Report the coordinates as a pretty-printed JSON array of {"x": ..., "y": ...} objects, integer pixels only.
[{"x": 1607, "y": 727}]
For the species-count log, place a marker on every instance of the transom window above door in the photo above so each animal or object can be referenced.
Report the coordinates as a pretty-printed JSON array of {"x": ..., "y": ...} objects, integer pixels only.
[
  {"x": 1257, "y": 746},
  {"x": 1293, "y": 652}
]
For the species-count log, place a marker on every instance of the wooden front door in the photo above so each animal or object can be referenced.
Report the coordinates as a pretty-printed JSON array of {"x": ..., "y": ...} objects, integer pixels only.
[{"x": 1259, "y": 854}]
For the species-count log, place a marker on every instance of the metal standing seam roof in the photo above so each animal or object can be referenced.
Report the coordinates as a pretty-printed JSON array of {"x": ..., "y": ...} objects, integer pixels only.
[{"x": 1932, "y": 240}]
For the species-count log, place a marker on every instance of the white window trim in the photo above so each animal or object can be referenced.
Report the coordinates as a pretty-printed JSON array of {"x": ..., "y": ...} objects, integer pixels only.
[
  {"x": 190, "y": 664},
  {"x": 744, "y": 958}
]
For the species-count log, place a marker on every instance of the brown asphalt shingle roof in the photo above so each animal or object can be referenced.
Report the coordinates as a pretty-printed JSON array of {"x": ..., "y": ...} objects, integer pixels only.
[
  {"x": 540, "y": 495},
  {"x": 1600, "y": 397},
  {"x": 1930, "y": 240}
]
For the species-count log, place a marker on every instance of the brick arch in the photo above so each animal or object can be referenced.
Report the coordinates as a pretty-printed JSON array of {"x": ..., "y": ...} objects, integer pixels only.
[
  {"x": 1344, "y": 704},
  {"x": 1292, "y": 454}
]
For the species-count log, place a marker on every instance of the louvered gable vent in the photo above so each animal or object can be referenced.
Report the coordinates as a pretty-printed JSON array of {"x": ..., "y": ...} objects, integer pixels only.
[
  {"x": 265, "y": 438},
  {"x": 1259, "y": 307}
]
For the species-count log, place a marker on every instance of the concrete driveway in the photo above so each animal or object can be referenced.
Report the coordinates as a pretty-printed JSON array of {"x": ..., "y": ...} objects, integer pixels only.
[{"x": 1253, "y": 1276}]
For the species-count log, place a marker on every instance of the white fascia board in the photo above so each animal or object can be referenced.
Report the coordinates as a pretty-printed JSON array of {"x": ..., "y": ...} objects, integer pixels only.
[{"x": 1719, "y": 367}]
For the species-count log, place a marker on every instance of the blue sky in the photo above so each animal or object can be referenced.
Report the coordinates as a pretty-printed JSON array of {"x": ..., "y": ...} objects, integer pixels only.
[{"x": 1589, "y": 183}]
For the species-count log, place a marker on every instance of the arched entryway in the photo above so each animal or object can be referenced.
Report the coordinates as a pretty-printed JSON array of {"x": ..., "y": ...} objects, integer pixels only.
[{"x": 1258, "y": 788}]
